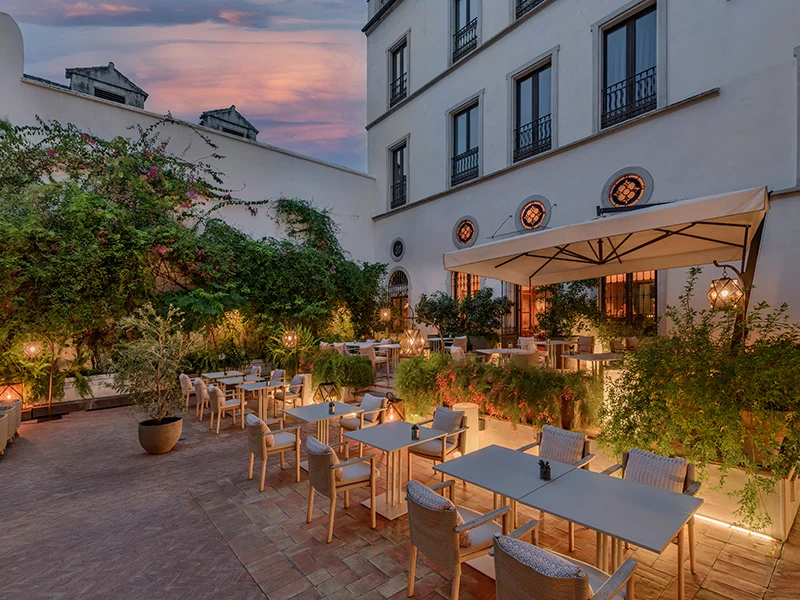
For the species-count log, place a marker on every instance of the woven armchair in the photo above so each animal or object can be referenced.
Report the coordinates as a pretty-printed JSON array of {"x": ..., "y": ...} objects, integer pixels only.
[
  {"x": 203, "y": 400},
  {"x": 453, "y": 422},
  {"x": 265, "y": 442},
  {"x": 186, "y": 389},
  {"x": 290, "y": 392},
  {"x": 329, "y": 477},
  {"x": 674, "y": 474},
  {"x": 570, "y": 447},
  {"x": 13, "y": 408},
  {"x": 377, "y": 362},
  {"x": 438, "y": 528},
  {"x": 5, "y": 430},
  {"x": 255, "y": 370},
  {"x": 219, "y": 405},
  {"x": 586, "y": 344},
  {"x": 373, "y": 409},
  {"x": 526, "y": 572}
]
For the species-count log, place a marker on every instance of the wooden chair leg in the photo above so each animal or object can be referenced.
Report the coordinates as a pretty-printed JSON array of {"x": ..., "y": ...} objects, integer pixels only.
[
  {"x": 211, "y": 421},
  {"x": 571, "y": 528},
  {"x": 330, "y": 517},
  {"x": 373, "y": 505},
  {"x": 310, "y": 512},
  {"x": 412, "y": 569},
  {"x": 456, "y": 583},
  {"x": 219, "y": 418},
  {"x": 263, "y": 471},
  {"x": 283, "y": 463},
  {"x": 347, "y": 499},
  {"x": 297, "y": 460},
  {"x": 691, "y": 545},
  {"x": 629, "y": 589},
  {"x": 410, "y": 460},
  {"x": 250, "y": 469}
]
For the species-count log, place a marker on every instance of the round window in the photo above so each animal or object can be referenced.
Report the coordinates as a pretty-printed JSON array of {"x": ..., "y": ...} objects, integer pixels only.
[
  {"x": 532, "y": 215},
  {"x": 628, "y": 187},
  {"x": 465, "y": 232},
  {"x": 398, "y": 249}
]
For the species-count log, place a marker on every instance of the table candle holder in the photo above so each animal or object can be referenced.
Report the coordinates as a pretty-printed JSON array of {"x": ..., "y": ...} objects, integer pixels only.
[
  {"x": 415, "y": 432},
  {"x": 544, "y": 470},
  {"x": 331, "y": 407}
]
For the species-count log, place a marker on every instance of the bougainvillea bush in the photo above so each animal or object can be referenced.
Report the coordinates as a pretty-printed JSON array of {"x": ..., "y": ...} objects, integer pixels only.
[{"x": 92, "y": 230}]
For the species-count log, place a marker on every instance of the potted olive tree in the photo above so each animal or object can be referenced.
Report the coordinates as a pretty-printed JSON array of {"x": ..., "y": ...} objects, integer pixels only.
[{"x": 146, "y": 368}]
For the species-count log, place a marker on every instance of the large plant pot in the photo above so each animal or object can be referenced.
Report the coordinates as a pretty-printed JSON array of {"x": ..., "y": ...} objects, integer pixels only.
[{"x": 160, "y": 437}]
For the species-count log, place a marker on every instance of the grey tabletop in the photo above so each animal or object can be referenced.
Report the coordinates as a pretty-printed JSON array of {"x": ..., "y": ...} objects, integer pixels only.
[
  {"x": 258, "y": 385},
  {"x": 393, "y": 436},
  {"x": 388, "y": 346},
  {"x": 218, "y": 374},
  {"x": 507, "y": 472},
  {"x": 591, "y": 357},
  {"x": 642, "y": 515},
  {"x": 321, "y": 411},
  {"x": 505, "y": 351}
]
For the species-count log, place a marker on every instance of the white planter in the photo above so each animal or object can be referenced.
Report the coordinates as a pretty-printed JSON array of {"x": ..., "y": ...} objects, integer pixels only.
[{"x": 102, "y": 387}]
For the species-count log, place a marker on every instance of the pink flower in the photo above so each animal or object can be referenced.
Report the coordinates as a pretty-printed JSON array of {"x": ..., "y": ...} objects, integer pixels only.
[
  {"x": 187, "y": 205},
  {"x": 51, "y": 153}
]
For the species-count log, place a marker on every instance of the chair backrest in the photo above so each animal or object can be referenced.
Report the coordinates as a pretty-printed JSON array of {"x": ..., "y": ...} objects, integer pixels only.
[
  {"x": 325, "y": 346},
  {"x": 186, "y": 384},
  {"x": 524, "y": 571},
  {"x": 526, "y": 360},
  {"x": 448, "y": 420},
  {"x": 457, "y": 353},
  {"x": 432, "y": 529},
  {"x": 255, "y": 427},
  {"x": 617, "y": 346},
  {"x": 367, "y": 352},
  {"x": 586, "y": 343},
  {"x": 674, "y": 474},
  {"x": 460, "y": 342},
  {"x": 386, "y": 341},
  {"x": 372, "y": 402},
  {"x": 217, "y": 397},
  {"x": 320, "y": 459},
  {"x": 201, "y": 390},
  {"x": 341, "y": 348},
  {"x": 296, "y": 385},
  {"x": 255, "y": 370},
  {"x": 526, "y": 343},
  {"x": 278, "y": 376},
  {"x": 562, "y": 445},
  {"x": 631, "y": 343}
]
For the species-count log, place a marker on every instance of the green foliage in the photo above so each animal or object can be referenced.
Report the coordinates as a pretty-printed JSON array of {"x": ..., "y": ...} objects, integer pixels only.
[
  {"x": 517, "y": 393},
  {"x": 147, "y": 365},
  {"x": 570, "y": 307},
  {"x": 285, "y": 357},
  {"x": 328, "y": 366},
  {"x": 702, "y": 393},
  {"x": 479, "y": 314}
]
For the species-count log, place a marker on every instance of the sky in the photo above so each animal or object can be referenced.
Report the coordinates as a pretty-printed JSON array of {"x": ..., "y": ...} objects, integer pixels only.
[{"x": 295, "y": 68}]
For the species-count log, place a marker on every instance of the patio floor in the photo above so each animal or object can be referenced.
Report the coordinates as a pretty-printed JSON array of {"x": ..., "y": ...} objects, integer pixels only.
[{"x": 86, "y": 513}]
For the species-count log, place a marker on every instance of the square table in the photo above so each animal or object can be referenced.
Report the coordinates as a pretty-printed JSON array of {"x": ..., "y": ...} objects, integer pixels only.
[
  {"x": 320, "y": 414},
  {"x": 220, "y": 374},
  {"x": 259, "y": 389},
  {"x": 645, "y": 516},
  {"x": 392, "y": 354},
  {"x": 392, "y": 438}
]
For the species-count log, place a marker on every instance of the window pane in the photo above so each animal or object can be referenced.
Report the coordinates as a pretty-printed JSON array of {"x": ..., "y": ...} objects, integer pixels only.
[
  {"x": 544, "y": 92},
  {"x": 461, "y": 13},
  {"x": 646, "y": 42},
  {"x": 460, "y": 130},
  {"x": 615, "y": 296},
  {"x": 525, "y": 100},
  {"x": 473, "y": 128},
  {"x": 615, "y": 59},
  {"x": 399, "y": 162},
  {"x": 643, "y": 302}
]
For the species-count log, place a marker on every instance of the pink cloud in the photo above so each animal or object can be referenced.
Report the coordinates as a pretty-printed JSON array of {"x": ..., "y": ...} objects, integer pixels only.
[{"x": 85, "y": 9}]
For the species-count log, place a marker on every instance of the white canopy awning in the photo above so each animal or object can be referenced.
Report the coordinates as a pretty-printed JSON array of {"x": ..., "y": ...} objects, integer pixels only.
[{"x": 676, "y": 234}]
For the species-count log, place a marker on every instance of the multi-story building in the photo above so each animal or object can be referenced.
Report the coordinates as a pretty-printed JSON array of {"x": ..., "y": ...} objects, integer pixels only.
[{"x": 488, "y": 119}]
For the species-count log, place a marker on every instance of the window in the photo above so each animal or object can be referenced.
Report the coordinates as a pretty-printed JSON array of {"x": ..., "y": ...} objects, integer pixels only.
[
  {"x": 399, "y": 178},
  {"x": 630, "y": 297},
  {"x": 533, "y": 133},
  {"x": 398, "y": 88},
  {"x": 465, "y": 38},
  {"x": 398, "y": 299},
  {"x": 464, "y": 285},
  {"x": 106, "y": 95},
  {"x": 465, "y": 145},
  {"x": 529, "y": 303},
  {"x": 232, "y": 132},
  {"x": 525, "y": 6},
  {"x": 629, "y": 68}
]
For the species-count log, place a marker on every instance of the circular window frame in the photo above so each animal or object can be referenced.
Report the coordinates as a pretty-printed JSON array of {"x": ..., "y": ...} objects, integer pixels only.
[
  {"x": 545, "y": 220},
  {"x": 640, "y": 172},
  {"x": 459, "y": 221},
  {"x": 391, "y": 249}
]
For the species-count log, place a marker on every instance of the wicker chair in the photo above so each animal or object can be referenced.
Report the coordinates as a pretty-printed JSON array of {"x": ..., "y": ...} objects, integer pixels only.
[
  {"x": 586, "y": 344},
  {"x": 328, "y": 476},
  {"x": 674, "y": 474},
  {"x": 203, "y": 400},
  {"x": 264, "y": 442},
  {"x": 341, "y": 348},
  {"x": 571, "y": 447},
  {"x": 255, "y": 370},
  {"x": 526, "y": 572},
  {"x": 460, "y": 342},
  {"x": 290, "y": 392},
  {"x": 219, "y": 405},
  {"x": 186, "y": 389},
  {"x": 617, "y": 346},
  {"x": 444, "y": 419},
  {"x": 373, "y": 408},
  {"x": 437, "y": 527},
  {"x": 378, "y": 362},
  {"x": 5, "y": 430},
  {"x": 14, "y": 410}
]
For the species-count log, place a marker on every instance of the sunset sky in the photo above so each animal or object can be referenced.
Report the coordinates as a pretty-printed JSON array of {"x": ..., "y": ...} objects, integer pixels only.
[{"x": 294, "y": 68}]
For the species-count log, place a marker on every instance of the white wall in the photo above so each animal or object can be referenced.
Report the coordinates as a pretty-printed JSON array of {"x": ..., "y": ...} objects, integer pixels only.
[
  {"x": 253, "y": 170},
  {"x": 746, "y": 136}
]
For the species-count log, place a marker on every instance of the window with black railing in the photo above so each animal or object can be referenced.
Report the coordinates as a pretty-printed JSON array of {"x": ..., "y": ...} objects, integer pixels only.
[
  {"x": 465, "y": 25},
  {"x": 465, "y": 152},
  {"x": 399, "y": 186},
  {"x": 534, "y": 132},
  {"x": 398, "y": 87},
  {"x": 629, "y": 75},
  {"x": 525, "y": 6}
]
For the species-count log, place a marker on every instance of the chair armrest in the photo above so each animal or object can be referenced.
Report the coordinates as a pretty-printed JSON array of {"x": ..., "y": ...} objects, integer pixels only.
[
  {"x": 376, "y": 411},
  {"x": 337, "y": 444},
  {"x": 352, "y": 461},
  {"x": 425, "y": 422},
  {"x": 611, "y": 470},
  {"x": 584, "y": 462},
  {"x": 614, "y": 583},
  {"x": 693, "y": 488},
  {"x": 527, "y": 447},
  {"x": 284, "y": 430},
  {"x": 443, "y": 485},
  {"x": 490, "y": 516},
  {"x": 523, "y": 529},
  {"x": 275, "y": 420}
]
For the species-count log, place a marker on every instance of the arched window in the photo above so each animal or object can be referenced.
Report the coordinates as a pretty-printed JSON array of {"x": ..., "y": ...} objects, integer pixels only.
[
  {"x": 463, "y": 285},
  {"x": 398, "y": 299}
]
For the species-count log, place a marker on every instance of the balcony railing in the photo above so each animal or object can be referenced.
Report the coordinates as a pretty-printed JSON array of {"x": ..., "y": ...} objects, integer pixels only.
[
  {"x": 399, "y": 191},
  {"x": 533, "y": 138},
  {"x": 629, "y": 98},
  {"x": 465, "y": 166},
  {"x": 398, "y": 89},
  {"x": 524, "y": 6},
  {"x": 465, "y": 39}
]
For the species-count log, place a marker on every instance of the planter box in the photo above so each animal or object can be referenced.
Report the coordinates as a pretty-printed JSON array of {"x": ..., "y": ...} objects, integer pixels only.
[{"x": 101, "y": 388}]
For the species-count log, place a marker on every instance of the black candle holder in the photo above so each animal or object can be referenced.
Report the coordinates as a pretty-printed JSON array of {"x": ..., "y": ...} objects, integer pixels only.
[
  {"x": 544, "y": 470},
  {"x": 331, "y": 407},
  {"x": 415, "y": 432}
]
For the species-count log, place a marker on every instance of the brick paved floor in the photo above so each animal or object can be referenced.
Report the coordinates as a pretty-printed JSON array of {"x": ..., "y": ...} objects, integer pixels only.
[{"x": 87, "y": 514}]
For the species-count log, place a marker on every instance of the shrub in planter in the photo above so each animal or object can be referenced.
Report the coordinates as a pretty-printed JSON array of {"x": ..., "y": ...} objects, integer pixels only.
[
  {"x": 146, "y": 367},
  {"x": 347, "y": 372}
]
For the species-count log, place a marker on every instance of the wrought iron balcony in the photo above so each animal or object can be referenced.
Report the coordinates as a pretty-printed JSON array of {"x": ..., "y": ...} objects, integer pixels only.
[
  {"x": 465, "y": 39},
  {"x": 398, "y": 191},
  {"x": 398, "y": 89},
  {"x": 524, "y": 6},
  {"x": 465, "y": 166},
  {"x": 533, "y": 138},
  {"x": 629, "y": 98}
]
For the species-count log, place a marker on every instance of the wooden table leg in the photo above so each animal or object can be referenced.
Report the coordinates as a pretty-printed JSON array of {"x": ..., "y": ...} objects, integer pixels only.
[
  {"x": 681, "y": 591},
  {"x": 599, "y": 551}
]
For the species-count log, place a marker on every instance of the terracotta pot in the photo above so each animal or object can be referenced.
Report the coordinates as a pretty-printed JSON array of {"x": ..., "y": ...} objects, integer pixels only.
[{"x": 158, "y": 437}]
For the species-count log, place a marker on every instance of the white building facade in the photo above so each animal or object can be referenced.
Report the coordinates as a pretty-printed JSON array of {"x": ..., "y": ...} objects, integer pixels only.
[{"x": 491, "y": 118}]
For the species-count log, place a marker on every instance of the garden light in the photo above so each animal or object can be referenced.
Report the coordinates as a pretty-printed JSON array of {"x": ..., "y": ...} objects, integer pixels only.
[
  {"x": 386, "y": 314},
  {"x": 32, "y": 349},
  {"x": 411, "y": 342},
  {"x": 726, "y": 293},
  {"x": 290, "y": 339}
]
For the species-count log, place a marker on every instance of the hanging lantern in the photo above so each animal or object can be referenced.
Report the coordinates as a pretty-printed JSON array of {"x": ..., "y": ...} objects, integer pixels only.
[
  {"x": 290, "y": 338},
  {"x": 10, "y": 392},
  {"x": 726, "y": 293},
  {"x": 411, "y": 342},
  {"x": 32, "y": 350},
  {"x": 386, "y": 315}
]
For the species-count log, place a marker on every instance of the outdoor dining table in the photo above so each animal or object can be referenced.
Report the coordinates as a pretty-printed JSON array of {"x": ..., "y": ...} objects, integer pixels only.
[
  {"x": 355, "y": 347},
  {"x": 392, "y": 438},
  {"x": 505, "y": 353},
  {"x": 392, "y": 353},
  {"x": 596, "y": 360},
  {"x": 220, "y": 374},
  {"x": 261, "y": 390},
  {"x": 642, "y": 515},
  {"x": 321, "y": 414}
]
